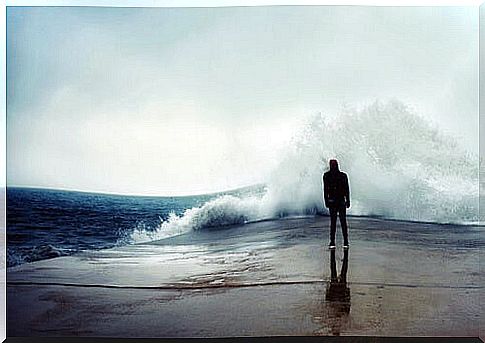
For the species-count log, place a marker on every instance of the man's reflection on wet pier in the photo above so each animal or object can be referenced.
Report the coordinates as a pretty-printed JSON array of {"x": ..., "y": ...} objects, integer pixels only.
[{"x": 337, "y": 295}]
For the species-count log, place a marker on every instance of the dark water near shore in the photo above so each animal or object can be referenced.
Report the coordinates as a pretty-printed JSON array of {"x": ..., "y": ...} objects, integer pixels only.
[{"x": 44, "y": 223}]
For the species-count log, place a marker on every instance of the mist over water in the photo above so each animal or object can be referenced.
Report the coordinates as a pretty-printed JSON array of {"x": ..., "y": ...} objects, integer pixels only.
[{"x": 400, "y": 166}]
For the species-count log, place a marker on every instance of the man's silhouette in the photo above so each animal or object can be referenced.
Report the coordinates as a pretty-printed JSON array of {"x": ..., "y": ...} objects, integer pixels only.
[{"x": 337, "y": 200}]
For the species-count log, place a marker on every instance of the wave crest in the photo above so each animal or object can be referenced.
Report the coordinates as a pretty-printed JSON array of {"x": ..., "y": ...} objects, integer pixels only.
[{"x": 222, "y": 211}]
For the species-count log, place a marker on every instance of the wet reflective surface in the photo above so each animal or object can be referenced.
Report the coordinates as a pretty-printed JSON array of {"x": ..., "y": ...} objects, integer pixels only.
[
  {"x": 267, "y": 278},
  {"x": 337, "y": 295}
]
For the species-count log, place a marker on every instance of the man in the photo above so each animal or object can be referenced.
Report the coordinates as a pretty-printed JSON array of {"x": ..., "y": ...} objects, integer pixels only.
[{"x": 337, "y": 199}]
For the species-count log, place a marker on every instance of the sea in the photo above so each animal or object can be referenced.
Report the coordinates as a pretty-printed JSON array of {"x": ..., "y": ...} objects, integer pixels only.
[{"x": 47, "y": 223}]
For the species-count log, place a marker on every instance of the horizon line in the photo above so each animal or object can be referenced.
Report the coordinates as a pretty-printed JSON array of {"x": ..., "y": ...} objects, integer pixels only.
[{"x": 132, "y": 194}]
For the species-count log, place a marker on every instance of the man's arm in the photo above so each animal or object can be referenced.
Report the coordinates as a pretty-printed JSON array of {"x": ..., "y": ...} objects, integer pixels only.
[
  {"x": 347, "y": 192},
  {"x": 325, "y": 191}
]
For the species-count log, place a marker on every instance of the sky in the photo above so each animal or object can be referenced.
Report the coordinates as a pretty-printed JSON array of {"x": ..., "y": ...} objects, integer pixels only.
[{"x": 175, "y": 101}]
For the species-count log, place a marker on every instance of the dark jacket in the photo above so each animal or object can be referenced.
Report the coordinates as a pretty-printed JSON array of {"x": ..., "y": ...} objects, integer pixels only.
[{"x": 336, "y": 189}]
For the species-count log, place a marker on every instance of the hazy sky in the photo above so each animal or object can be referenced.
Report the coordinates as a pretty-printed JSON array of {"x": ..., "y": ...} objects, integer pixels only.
[{"x": 184, "y": 101}]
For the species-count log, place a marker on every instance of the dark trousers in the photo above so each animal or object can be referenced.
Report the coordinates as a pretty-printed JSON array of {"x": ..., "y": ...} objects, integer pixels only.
[{"x": 341, "y": 211}]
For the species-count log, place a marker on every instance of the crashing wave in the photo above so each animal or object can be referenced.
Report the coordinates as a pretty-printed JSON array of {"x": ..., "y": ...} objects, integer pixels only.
[{"x": 400, "y": 167}]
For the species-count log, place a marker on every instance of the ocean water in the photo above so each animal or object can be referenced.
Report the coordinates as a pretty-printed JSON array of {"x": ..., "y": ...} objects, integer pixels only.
[
  {"x": 45, "y": 223},
  {"x": 400, "y": 166}
]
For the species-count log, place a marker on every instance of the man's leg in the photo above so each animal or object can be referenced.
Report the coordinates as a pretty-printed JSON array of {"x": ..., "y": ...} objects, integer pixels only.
[
  {"x": 343, "y": 223},
  {"x": 333, "y": 224}
]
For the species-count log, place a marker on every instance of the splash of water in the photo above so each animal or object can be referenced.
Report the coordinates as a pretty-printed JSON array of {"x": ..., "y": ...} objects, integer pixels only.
[{"x": 399, "y": 165}]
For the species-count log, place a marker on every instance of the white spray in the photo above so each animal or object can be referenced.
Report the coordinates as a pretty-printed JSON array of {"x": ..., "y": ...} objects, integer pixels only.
[{"x": 399, "y": 167}]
